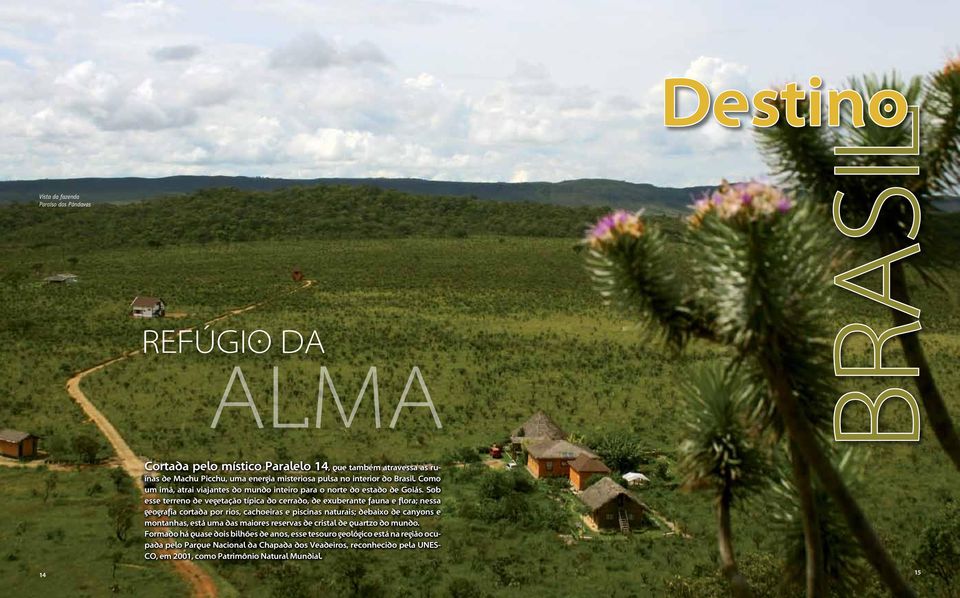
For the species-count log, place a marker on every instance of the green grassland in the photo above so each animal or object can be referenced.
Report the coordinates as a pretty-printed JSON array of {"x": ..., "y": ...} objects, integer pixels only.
[
  {"x": 499, "y": 325},
  {"x": 63, "y": 545}
]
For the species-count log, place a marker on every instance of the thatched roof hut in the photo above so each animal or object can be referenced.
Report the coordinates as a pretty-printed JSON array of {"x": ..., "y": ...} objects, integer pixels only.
[
  {"x": 558, "y": 449},
  {"x": 612, "y": 507},
  {"x": 604, "y": 492},
  {"x": 538, "y": 427}
]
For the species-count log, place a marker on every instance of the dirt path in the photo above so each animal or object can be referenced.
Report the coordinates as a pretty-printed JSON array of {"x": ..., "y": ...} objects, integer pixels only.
[
  {"x": 200, "y": 581},
  {"x": 673, "y": 527}
]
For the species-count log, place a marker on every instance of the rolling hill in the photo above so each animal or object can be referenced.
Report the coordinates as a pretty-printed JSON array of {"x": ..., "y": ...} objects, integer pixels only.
[
  {"x": 582, "y": 192},
  {"x": 293, "y": 213}
]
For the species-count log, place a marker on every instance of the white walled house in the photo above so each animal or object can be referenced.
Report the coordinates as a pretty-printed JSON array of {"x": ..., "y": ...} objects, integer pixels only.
[{"x": 148, "y": 307}]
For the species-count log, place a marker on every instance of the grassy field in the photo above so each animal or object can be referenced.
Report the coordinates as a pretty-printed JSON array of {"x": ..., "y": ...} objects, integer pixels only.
[
  {"x": 59, "y": 541},
  {"x": 499, "y": 326}
]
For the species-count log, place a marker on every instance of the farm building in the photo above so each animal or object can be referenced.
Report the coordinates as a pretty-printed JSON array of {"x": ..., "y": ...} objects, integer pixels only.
[
  {"x": 62, "y": 278},
  {"x": 612, "y": 507},
  {"x": 536, "y": 429},
  {"x": 551, "y": 458},
  {"x": 583, "y": 468},
  {"x": 148, "y": 307},
  {"x": 20, "y": 445}
]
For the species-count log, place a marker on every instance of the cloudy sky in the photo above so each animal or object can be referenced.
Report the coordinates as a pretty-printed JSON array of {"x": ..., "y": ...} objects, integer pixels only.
[{"x": 484, "y": 90}]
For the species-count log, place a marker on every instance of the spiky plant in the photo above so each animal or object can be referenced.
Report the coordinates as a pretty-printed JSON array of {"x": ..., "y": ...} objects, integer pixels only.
[
  {"x": 803, "y": 158},
  {"x": 720, "y": 457},
  {"x": 762, "y": 265},
  {"x": 642, "y": 283},
  {"x": 757, "y": 286},
  {"x": 845, "y": 570}
]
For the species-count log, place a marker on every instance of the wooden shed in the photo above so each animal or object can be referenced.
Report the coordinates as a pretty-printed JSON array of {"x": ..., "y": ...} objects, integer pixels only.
[
  {"x": 583, "y": 468},
  {"x": 536, "y": 429},
  {"x": 612, "y": 507},
  {"x": 551, "y": 458},
  {"x": 148, "y": 307},
  {"x": 19, "y": 445}
]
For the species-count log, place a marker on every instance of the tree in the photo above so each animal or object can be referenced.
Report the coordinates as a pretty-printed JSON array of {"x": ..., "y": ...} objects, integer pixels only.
[
  {"x": 803, "y": 157},
  {"x": 115, "y": 559},
  {"x": 119, "y": 478},
  {"x": 619, "y": 450},
  {"x": 87, "y": 447},
  {"x": 351, "y": 575},
  {"x": 121, "y": 511},
  {"x": 757, "y": 286},
  {"x": 49, "y": 485},
  {"x": 938, "y": 556},
  {"x": 719, "y": 456}
]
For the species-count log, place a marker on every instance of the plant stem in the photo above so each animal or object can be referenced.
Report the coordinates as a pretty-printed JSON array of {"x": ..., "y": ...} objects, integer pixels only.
[
  {"x": 813, "y": 543},
  {"x": 930, "y": 396},
  {"x": 738, "y": 583},
  {"x": 805, "y": 439}
]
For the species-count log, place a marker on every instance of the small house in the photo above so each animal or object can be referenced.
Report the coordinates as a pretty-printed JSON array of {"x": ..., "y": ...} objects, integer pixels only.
[
  {"x": 64, "y": 278},
  {"x": 148, "y": 307},
  {"x": 583, "y": 468},
  {"x": 613, "y": 507},
  {"x": 536, "y": 429},
  {"x": 19, "y": 445},
  {"x": 551, "y": 458}
]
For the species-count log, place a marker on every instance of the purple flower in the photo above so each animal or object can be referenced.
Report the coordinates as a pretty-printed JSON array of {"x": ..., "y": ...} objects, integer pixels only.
[
  {"x": 741, "y": 202},
  {"x": 613, "y": 225}
]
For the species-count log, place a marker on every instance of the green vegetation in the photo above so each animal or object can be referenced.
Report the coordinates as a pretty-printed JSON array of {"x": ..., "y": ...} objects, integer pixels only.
[
  {"x": 583, "y": 192},
  {"x": 57, "y": 538},
  {"x": 759, "y": 287},
  {"x": 500, "y": 325},
  {"x": 230, "y": 215}
]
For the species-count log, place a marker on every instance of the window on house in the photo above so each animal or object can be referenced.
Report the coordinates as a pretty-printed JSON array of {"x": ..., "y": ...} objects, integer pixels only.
[
  {"x": 609, "y": 516},
  {"x": 549, "y": 465}
]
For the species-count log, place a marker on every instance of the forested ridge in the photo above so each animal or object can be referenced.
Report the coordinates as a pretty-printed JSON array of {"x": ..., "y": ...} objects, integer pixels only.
[
  {"x": 579, "y": 192},
  {"x": 233, "y": 215}
]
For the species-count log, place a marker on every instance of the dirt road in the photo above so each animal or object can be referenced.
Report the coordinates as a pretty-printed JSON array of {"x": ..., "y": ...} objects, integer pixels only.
[{"x": 200, "y": 581}]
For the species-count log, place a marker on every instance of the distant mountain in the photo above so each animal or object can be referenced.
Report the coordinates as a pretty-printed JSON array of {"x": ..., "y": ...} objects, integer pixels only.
[
  {"x": 581, "y": 192},
  {"x": 227, "y": 215}
]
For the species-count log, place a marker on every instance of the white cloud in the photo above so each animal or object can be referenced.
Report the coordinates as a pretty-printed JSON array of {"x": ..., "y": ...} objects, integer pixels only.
[
  {"x": 380, "y": 12},
  {"x": 718, "y": 74},
  {"x": 332, "y": 145},
  {"x": 312, "y": 51},
  {"x": 176, "y": 53},
  {"x": 423, "y": 82},
  {"x": 142, "y": 10},
  {"x": 520, "y": 175},
  {"x": 20, "y": 16},
  {"x": 108, "y": 98}
]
